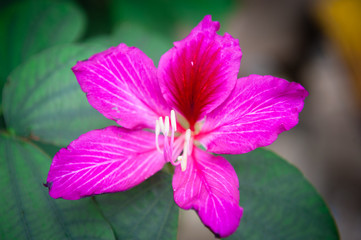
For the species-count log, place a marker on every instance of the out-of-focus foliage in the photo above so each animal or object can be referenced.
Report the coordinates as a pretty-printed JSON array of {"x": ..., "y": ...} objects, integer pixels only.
[
  {"x": 31, "y": 26},
  {"x": 144, "y": 212},
  {"x": 26, "y": 209},
  {"x": 166, "y": 16},
  {"x": 43, "y": 100},
  {"x": 28, "y": 212},
  {"x": 278, "y": 202}
]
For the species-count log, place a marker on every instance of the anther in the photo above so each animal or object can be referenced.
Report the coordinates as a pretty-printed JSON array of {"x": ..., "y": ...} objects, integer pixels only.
[{"x": 178, "y": 161}]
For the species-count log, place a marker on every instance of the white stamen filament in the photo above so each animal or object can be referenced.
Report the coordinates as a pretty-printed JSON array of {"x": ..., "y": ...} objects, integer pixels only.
[
  {"x": 161, "y": 124},
  {"x": 166, "y": 126},
  {"x": 170, "y": 124},
  {"x": 186, "y": 150},
  {"x": 173, "y": 120}
]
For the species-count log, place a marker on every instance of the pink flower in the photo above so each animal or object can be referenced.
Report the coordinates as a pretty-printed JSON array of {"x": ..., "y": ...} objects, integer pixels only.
[{"x": 192, "y": 99}]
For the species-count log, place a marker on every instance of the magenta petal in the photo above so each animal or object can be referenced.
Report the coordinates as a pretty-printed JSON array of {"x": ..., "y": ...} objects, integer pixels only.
[
  {"x": 102, "y": 161},
  {"x": 199, "y": 72},
  {"x": 259, "y": 108},
  {"x": 121, "y": 83},
  {"x": 209, "y": 185}
]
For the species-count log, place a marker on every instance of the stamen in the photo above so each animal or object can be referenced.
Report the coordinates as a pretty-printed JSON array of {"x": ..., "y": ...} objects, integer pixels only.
[
  {"x": 173, "y": 120},
  {"x": 174, "y": 126},
  {"x": 186, "y": 149},
  {"x": 177, "y": 161},
  {"x": 166, "y": 126},
  {"x": 172, "y": 148},
  {"x": 161, "y": 124}
]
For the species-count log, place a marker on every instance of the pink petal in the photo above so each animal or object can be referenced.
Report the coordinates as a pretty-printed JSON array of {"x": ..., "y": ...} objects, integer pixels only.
[
  {"x": 199, "y": 72},
  {"x": 209, "y": 185},
  {"x": 121, "y": 83},
  {"x": 259, "y": 108},
  {"x": 102, "y": 161}
]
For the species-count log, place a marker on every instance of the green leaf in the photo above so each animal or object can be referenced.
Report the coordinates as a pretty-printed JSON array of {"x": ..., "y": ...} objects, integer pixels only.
[
  {"x": 278, "y": 202},
  {"x": 49, "y": 149},
  {"x": 26, "y": 209},
  {"x": 191, "y": 11},
  {"x": 147, "y": 211},
  {"x": 151, "y": 43},
  {"x": 167, "y": 17},
  {"x": 31, "y": 26},
  {"x": 2, "y": 121},
  {"x": 153, "y": 15},
  {"x": 43, "y": 99}
]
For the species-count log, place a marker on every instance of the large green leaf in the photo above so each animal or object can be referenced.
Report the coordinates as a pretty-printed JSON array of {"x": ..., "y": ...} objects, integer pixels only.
[
  {"x": 192, "y": 11},
  {"x": 278, "y": 202},
  {"x": 43, "y": 100},
  {"x": 144, "y": 212},
  {"x": 2, "y": 120},
  {"x": 153, "y": 15},
  {"x": 26, "y": 209},
  {"x": 165, "y": 16},
  {"x": 30, "y": 26}
]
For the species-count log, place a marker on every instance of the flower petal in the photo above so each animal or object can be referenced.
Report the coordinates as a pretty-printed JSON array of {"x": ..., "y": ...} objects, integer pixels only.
[
  {"x": 199, "y": 72},
  {"x": 101, "y": 161},
  {"x": 121, "y": 83},
  {"x": 209, "y": 185},
  {"x": 259, "y": 108}
]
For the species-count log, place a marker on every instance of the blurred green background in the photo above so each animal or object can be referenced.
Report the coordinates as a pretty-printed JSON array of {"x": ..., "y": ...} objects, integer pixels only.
[{"x": 316, "y": 43}]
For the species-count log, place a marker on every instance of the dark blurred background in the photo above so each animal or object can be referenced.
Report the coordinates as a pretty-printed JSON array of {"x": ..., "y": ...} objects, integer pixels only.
[{"x": 316, "y": 43}]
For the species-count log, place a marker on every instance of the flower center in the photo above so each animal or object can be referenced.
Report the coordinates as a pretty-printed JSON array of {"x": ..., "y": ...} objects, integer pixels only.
[{"x": 172, "y": 148}]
